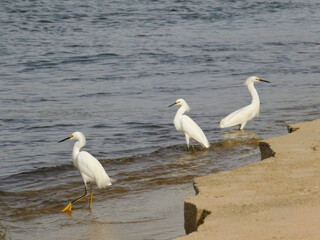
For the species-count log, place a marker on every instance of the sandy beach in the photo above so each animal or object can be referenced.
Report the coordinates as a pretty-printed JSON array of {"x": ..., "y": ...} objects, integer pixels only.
[{"x": 276, "y": 198}]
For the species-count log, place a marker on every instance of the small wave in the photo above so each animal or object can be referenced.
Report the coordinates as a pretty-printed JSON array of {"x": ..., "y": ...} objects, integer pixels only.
[
  {"x": 144, "y": 125},
  {"x": 104, "y": 126},
  {"x": 41, "y": 171},
  {"x": 59, "y": 125},
  {"x": 129, "y": 222},
  {"x": 87, "y": 58},
  {"x": 98, "y": 94},
  {"x": 33, "y": 179}
]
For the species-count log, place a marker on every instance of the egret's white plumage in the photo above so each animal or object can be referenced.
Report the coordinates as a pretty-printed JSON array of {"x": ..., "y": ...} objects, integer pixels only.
[
  {"x": 245, "y": 114},
  {"x": 89, "y": 167},
  {"x": 186, "y": 125}
]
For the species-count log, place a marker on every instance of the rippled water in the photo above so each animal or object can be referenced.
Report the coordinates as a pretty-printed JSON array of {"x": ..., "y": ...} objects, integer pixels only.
[{"x": 110, "y": 69}]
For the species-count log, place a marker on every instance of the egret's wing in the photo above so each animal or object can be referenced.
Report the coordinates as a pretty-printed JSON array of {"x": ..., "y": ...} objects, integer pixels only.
[
  {"x": 238, "y": 117},
  {"x": 189, "y": 127},
  {"x": 92, "y": 170}
]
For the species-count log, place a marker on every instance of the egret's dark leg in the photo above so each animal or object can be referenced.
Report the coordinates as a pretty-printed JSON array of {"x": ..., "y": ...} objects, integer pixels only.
[
  {"x": 76, "y": 200},
  {"x": 91, "y": 194},
  {"x": 83, "y": 196},
  {"x": 192, "y": 146}
]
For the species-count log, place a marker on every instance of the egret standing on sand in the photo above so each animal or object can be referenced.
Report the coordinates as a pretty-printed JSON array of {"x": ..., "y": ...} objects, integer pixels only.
[
  {"x": 186, "y": 125},
  {"x": 90, "y": 168},
  {"x": 245, "y": 114}
]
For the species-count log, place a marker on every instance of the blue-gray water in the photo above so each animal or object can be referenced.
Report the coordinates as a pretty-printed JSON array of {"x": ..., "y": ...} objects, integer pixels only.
[{"x": 110, "y": 69}]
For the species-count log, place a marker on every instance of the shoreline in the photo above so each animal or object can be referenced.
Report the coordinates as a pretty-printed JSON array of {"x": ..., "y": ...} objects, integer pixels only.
[{"x": 276, "y": 198}]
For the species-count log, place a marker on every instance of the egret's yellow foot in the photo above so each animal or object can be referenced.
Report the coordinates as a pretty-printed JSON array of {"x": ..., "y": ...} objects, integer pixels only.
[{"x": 67, "y": 208}]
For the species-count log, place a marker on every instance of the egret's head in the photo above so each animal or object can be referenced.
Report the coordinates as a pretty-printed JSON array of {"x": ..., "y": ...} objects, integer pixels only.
[
  {"x": 76, "y": 136},
  {"x": 254, "y": 79},
  {"x": 181, "y": 102}
]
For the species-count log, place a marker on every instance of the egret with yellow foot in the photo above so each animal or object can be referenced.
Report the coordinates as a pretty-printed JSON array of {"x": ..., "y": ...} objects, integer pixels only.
[{"x": 89, "y": 167}]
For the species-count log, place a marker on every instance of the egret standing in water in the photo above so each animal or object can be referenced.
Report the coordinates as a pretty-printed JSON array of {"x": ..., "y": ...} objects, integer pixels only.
[
  {"x": 90, "y": 168},
  {"x": 245, "y": 114},
  {"x": 186, "y": 125}
]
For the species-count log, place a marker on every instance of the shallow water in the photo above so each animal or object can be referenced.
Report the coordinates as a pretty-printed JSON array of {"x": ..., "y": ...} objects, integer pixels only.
[{"x": 110, "y": 69}]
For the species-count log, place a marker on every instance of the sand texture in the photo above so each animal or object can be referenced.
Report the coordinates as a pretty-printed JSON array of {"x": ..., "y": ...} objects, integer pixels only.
[{"x": 277, "y": 198}]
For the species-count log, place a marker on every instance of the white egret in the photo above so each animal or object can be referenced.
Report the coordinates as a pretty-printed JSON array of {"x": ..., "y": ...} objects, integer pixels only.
[
  {"x": 245, "y": 114},
  {"x": 90, "y": 168},
  {"x": 186, "y": 125}
]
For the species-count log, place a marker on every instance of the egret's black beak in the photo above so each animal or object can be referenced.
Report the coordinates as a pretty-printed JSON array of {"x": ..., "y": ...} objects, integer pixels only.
[
  {"x": 261, "y": 80},
  {"x": 172, "y": 104},
  {"x": 64, "y": 139}
]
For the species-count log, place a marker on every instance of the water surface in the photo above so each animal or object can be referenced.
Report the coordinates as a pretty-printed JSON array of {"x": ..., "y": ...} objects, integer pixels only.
[{"x": 110, "y": 69}]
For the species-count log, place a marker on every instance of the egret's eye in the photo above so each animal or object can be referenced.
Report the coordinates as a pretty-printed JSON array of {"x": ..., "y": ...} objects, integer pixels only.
[{"x": 177, "y": 102}]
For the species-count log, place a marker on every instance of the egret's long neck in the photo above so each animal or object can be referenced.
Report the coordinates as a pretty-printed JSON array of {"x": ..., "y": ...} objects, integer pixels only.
[
  {"x": 76, "y": 148},
  {"x": 254, "y": 94},
  {"x": 178, "y": 116},
  {"x": 181, "y": 110},
  {"x": 75, "y": 151}
]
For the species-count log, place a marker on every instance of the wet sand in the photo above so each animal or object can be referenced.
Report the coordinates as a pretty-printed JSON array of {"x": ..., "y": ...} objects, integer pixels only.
[{"x": 277, "y": 198}]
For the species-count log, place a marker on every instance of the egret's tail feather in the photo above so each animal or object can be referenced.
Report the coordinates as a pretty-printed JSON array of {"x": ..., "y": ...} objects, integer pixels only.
[
  {"x": 103, "y": 180},
  {"x": 205, "y": 143},
  {"x": 113, "y": 180},
  {"x": 222, "y": 124}
]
